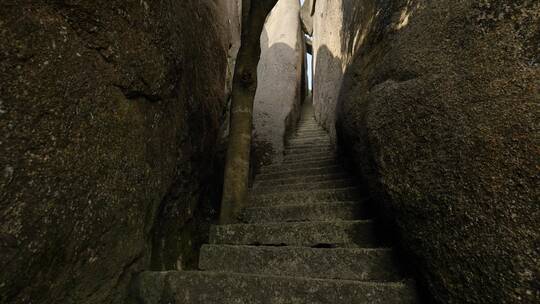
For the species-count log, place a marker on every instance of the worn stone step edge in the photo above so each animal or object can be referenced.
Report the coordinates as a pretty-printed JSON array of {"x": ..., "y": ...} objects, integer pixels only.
[
  {"x": 310, "y": 120},
  {"x": 323, "y": 211},
  {"x": 302, "y": 151},
  {"x": 300, "y": 165},
  {"x": 311, "y": 137},
  {"x": 313, "y": 159},
  {"x": 314, "y": 145},
  {"x": 307, "y": 123},
  {"x": 308, "y": 152},
  {"x": 309, "y": 129},
  {"x": 317, "y": 185},
  {"x": 319, "y": 131},
  {"x": 309, "y": 146},
  {"x": 305, "y": 234},
  {"x": 308, "y": 192},
  {"x": 305, "y": 197},
  {"x": 314, "y": 127},
  {"x": 323, "y": 263},
  {"x": 308, "y": 141},
  {"x": 299, "y": 180},
  {"x": 308, "y": 134},
  {"x": 308, "y": 156},
  {"x": 319, "y": 162},
  {"x": 300, "y": 172},
  {"x": 205, "y": 287}
]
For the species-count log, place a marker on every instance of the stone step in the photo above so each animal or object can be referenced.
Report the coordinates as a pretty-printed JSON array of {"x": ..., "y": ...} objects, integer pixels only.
[
  {"x": 311, "y": 145},
  {"x": 306, "y": 234},
  {"x": 321, "y": 185},
  {"x": 324, "y": 144},
  {"x": 305, "y": 197},
  {"x": 311, "y": 136},
  {"x": 205, "y": 287},
  {"x": 300, "y": 172},
  {"x": 310, "y": 129},
  {"x": 299, "y": 180},
  {"x": 336, "y": 211},
  {"x": 300, "y": 165},
  {"x": 322, "y": 263},
  {"x": 308, "y": 156},
  {"x": 311, "y": 132},
  {"x": 309, "y": 140},
  {"x": 314, "y": 127},
  {"x": 301, "y": 132},
  {"x": 308, "y": 160},
  {"x": 295, "y": 151},
  {"x": 310, "y": 122}
]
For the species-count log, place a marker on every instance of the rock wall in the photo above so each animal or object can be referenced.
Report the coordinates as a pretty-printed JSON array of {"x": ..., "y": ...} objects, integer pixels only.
[
  {"x": 306, "y": 16},
  {"x": 281, "y": 84},
  {"x": 335, "y": 32},
  {"x": 438, "y": 108},
  {"x": 109, "y": 121}
]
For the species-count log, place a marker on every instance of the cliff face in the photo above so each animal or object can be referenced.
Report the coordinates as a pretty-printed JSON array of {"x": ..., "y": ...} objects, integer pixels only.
[
  {"x": 328, "y": 58},
  {"x": 438, "y": 109},
  {"x": 336, "y": 26},
  {"x": 109, "y": 119},
  {"x": 281, "y": 81}
]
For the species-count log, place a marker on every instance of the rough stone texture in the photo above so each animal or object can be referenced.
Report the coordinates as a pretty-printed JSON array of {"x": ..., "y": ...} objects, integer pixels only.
[
  {"x": 316, "y": 185},
  {"x": 439, "y": 111},
  {"x": 297, "y": 166},
  {"x": 329, "y": 59},
  {"x": 281, "y": 82},
  {"x": 307, "y": 212},
  {"x": 340, "y": 233},
  {"x": 358, "y": 264},
  {"x": 228, "y": 288},
  {"x": 306, "y": 16},
  {"x": 307, "y": 196},
  {"x": 109, "y": 119},
  {"x": 301, "y": 173}
]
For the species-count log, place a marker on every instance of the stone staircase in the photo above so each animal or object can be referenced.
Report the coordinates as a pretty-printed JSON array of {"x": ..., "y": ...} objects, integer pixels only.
[{"x": 306, "y": 238}]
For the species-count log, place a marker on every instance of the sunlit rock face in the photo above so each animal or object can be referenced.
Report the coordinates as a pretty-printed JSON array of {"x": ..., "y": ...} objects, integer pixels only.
[
  {"x": 281, "y": 85},
  {"x": 306, "y": 16},
  {"x": 336, "y": 26},
  {"x": 438, "y": 108},
  {"x": 109, "y": 120}
]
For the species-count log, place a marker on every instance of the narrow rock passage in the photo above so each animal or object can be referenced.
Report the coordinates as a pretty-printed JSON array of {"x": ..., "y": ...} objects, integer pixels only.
[{"x": 306, "y": 238}]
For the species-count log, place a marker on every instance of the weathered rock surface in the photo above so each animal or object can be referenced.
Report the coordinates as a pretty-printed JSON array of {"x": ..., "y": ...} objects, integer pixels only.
[
  {"x": 281, "y": 86},
  {"x": 109, "y": 119},
  {"x": 439, "y": 111},
  {"x": 306, "y": 16},
  {"x": 229, "y": 288},
  {"x": 359, "y": 264},
  {"x": 329, "y": 59},
  {"x": 342, "y": 233}
]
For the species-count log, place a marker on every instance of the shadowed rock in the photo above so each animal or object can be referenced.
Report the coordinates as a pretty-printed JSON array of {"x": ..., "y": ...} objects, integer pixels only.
[
  {"x": 436, "y": 111},
  {"x": 109, "y": 123}
]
